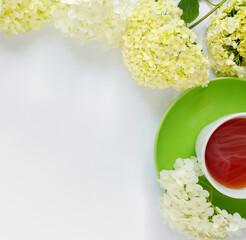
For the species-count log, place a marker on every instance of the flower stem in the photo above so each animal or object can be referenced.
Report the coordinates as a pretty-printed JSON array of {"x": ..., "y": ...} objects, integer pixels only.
[
  {"x": 212, "y": 3},
  {"x": 208, "y": 14},
  {"x": 214, "y": 209},
  {"x": 211, "y": 195},
  {"x": 209, "y": 186}
]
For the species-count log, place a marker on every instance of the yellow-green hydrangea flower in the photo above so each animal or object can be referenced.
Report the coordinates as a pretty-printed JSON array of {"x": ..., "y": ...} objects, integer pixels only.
[
  {"x": 87, "y": 20},
  {"x": 160, "y": 51},
  {"x": 23, "y": 15},
  {"x": 226, "y": 39},
  {"x": 186, "y": 206}
]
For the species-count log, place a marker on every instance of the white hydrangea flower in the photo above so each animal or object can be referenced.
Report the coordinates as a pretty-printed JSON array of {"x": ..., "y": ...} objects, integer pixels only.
[
  {"x": 24, "y": 15},
  {"x": 185, "y": 206},
  {"x": 160, "y": 51},
  {"x": 226, "y": 39},
  {"x": 87, "y": 20},
  {"x": 229, "y": 24}
]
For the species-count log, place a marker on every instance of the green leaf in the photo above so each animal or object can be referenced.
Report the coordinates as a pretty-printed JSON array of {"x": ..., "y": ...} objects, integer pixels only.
[{"x": 190, "y": 10}]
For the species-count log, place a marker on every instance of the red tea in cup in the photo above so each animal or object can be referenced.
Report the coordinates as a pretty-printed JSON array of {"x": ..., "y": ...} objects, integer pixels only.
[{"x": 225, "y": 154}]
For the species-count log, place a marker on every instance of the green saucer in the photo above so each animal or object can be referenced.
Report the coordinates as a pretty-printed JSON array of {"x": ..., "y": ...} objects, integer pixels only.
[{"x": 187, "y": 115}]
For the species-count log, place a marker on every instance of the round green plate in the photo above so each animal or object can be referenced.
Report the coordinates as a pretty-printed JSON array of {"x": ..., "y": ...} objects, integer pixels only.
[{"x": 185, "y": 118}]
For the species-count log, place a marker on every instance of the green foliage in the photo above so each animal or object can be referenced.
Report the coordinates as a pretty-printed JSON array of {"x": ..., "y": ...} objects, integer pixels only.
[{"x": 190, "y": 10}]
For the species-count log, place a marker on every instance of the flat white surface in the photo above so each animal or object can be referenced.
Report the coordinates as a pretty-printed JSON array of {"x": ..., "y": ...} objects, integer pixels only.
[{"x": 76, "y": 140}]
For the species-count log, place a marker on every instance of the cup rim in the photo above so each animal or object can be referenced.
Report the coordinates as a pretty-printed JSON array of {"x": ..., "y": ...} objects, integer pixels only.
[{"x": 231, "y": 192}]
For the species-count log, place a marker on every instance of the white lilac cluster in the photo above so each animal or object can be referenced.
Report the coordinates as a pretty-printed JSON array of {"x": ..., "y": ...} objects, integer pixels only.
[
  {"x": 226, "y": 39},
  {"x": 160, "y": 51},
  {"x": 24, "y": 15},
  {"x": 185, "y": 205},
  {"x": 87, "y": 20}
]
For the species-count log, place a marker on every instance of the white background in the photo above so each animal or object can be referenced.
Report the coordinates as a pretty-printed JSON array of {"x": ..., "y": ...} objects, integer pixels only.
[{"x": 76, "y": 142}]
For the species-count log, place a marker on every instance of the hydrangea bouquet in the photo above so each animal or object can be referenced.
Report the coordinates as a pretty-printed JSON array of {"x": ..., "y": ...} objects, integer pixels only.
[
  {"x": 226, "y": 39},
  {"x": 160, "y": 51},
  {"x": 24, "y": 15},
  {"x": 185, "y": 205}
]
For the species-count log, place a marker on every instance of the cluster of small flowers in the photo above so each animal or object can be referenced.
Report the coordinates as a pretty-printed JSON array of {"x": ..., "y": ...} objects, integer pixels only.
[
  {"x": 101, "y": 20},
  {"x": 23, "y": 15},
  {"x": 160, "y": 51},
  {"x": 185, "y": 205},
  {"x": 226, "y": 39}
]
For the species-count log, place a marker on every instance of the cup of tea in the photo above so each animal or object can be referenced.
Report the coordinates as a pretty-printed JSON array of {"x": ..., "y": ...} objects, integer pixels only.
[{"x": 221, "y": 149}]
